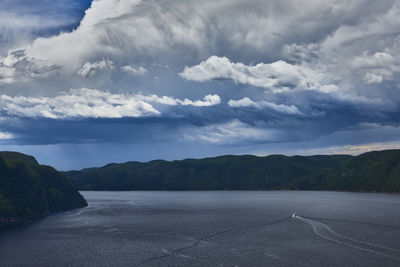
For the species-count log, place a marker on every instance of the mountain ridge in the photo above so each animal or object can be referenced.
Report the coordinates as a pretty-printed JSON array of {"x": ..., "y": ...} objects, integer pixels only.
[{"x": 375, "y": 171}]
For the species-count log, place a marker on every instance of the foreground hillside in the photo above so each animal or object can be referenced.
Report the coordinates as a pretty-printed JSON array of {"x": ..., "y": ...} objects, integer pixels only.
[
  {"x": 29, "y": 190},
  {"x": 373, "y": 171}
]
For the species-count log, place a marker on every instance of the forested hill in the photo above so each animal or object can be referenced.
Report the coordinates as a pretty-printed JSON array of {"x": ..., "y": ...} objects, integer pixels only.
[
  {"x": 373, "y": 171},
  {"x": 29, "y": 190}
]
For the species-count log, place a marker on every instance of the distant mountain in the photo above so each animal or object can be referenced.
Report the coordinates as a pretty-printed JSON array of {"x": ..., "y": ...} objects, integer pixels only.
[
  {"x": 29, "y": 190},
  {"x": 373, "y": 171}
]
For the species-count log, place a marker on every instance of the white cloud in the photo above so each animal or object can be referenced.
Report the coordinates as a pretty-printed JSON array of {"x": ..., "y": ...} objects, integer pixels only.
[
  {"x": 132, "y": 31},
  {"x": 125, "y": 35},
  {"x": 134, "y": 70},
  {"x": 382, "y": 22},
  {"x": 366, "y": 51},
  {"x": 103, "y": 11},
  {"x": 17, "y": 66},
  {"x": 372, "y": 78},
  {"x": 90, "y": 103},
  {"x": 379, "y": 59},
  {"x": 280, "y": 108},
  {"x": 90, "y": 69},
  {"x": 84, "y": 103},
  {"x": 278, "y": 76},
  {"x": 232, "y": 132},
  {"x": 244, "y": 102},
  {"x": 377, "y": 67},
  {"x": 5, "y": 136},
  {"x": 164, "y": 100},
  {"x": 209, "y": 100}
]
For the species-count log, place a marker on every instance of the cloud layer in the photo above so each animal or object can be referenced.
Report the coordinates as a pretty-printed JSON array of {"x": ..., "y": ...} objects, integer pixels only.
[
  {"x": 213, "y": 74},
  {"x": 90, "y": 103},
  {"x": 277, "y": 77}
]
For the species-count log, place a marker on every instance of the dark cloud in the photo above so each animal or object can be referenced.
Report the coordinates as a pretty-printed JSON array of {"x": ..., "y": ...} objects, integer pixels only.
[{"x": 207, "y": 77}]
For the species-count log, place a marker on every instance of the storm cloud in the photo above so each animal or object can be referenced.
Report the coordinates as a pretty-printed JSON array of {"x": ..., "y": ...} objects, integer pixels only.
[{"x": 215, "y": 76}]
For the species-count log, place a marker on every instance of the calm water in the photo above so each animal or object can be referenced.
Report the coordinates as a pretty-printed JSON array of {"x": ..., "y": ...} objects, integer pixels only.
[{"x": 213, "y": 229}]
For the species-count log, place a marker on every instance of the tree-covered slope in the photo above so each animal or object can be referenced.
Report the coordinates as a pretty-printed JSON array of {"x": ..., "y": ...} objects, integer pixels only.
[
  {"x": 373, "y": 171},
  {"x": 29, "y": 190}
]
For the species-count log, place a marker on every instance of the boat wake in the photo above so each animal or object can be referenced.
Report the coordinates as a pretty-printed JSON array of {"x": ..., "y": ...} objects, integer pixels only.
[
  {"x": 325, "y": 232},
  {"x": 320, "y": 229}
]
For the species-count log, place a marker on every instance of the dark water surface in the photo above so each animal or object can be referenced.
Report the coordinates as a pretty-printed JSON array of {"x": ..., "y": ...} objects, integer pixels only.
[{"x": 213, "y": 229}]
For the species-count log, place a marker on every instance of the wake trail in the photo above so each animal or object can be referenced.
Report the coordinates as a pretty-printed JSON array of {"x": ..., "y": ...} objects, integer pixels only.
[
  {"x": 355, "y": 222},
  {"x": 327, "y": 233}
]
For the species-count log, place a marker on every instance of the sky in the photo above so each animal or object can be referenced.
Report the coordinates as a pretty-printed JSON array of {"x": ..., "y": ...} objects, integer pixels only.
[{"x": 85, "y": 83}]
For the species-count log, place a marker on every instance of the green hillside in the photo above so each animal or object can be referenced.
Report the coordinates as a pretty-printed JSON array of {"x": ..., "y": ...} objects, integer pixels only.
[
  {"x": 29, "y": 190},
  {"x": 373, "y": 171}
]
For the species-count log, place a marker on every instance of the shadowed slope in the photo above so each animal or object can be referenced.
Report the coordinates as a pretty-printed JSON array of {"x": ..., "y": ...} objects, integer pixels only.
[{"x": 29, "y": 190}]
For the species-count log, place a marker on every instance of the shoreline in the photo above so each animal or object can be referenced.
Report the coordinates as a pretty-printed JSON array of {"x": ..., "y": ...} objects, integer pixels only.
[{"x": 240, "y": 190}]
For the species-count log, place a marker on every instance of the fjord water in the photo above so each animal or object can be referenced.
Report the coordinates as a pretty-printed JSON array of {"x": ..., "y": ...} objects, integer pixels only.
[{"x": 218, "y": 228}]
